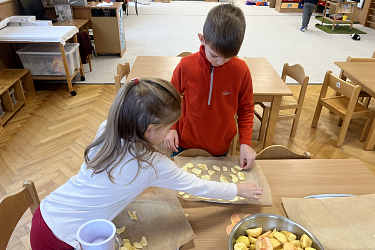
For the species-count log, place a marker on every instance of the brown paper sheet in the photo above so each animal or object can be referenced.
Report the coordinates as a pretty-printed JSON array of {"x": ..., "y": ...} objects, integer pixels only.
[
  {"x": 345, "y": 223},
  {"x": 161, "y": 220},
  {"x": 254, "y": 175}
]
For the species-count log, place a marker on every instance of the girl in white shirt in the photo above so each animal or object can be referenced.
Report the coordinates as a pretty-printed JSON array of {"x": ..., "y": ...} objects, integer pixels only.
[{"x": 120, "y": 163}]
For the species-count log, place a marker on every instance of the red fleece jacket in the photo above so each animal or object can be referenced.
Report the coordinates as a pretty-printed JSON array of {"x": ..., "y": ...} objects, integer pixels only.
[{"x": 207, "y": 120}]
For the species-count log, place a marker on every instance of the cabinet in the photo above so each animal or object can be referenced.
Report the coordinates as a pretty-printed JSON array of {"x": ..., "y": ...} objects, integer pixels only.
[
  {"x": 341, "y": 8},
  {"x": 15, "y": 85},
  {"x": 109, "y": 32},
  {"x": 283, "y": 6}
]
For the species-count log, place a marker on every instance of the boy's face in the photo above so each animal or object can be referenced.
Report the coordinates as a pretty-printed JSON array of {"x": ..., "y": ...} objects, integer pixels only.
[{"x": 213, "y": 57}]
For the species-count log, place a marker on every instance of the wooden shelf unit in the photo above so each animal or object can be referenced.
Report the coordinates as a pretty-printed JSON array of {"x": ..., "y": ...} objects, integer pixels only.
[
  {"x": 22, "y": 83},
  {"x": 284, "y": 6},
  {"x": 370, "y": 17},
  {"x": 340, "y": 10}
]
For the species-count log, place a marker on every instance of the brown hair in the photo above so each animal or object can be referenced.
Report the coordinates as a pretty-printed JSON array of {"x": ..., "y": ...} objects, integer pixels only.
[
  {"x": 224, "y": 29},
  {"x": 136, "y": 106}
]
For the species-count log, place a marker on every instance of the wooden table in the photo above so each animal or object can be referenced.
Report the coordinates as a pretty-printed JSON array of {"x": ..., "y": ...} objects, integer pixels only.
[
  {"x": 286, "y": 178},
  {"x": 363, "y": 74},
  {"x": 81, "y": 24},
  {"x": 267, "y": 84}
]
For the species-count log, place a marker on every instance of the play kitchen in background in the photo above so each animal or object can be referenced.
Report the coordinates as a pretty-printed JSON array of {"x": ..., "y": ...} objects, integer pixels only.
[{"x": 45, "y": 58}]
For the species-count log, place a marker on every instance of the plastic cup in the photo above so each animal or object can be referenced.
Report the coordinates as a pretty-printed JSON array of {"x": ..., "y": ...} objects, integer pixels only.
[
  {"x": 97, "y": 234},
  {"x": 344, "y": 17}
]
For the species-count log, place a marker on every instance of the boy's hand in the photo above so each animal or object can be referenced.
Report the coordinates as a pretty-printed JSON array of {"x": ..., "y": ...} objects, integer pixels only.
[
  {"x": 248, "y": 190},
  {"x": 171, "y": 140},
  {"x": 247, "y": 156}
]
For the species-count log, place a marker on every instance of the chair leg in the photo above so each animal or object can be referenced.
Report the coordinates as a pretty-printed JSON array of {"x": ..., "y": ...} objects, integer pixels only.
[
  {"x": 367, "y": 128},
  {"x": 339, "y": 123},
  {"x": 295, "y": 123},
  {"x": 343, "y": 130},
  {"x": 318, "y": 110},
  {"x": 366, "y": 101},
  {"x": 263, "y": 124},
  {"x": 89, "y": 58}
]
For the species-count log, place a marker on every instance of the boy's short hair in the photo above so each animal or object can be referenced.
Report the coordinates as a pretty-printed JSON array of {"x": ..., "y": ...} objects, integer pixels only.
[{"x": 224, "y": 29}]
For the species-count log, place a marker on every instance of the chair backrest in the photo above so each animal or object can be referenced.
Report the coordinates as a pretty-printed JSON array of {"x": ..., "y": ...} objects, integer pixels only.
[
  {"x": 122, "y": 70},
  {"x": 344, "y": 88},
  {"x": 280, "y": 152},
  {"x": 13, "y": 207},
  {"x": 297, "y": 73},
  {"x": 183, "y": 54},
  {"x": 194, "y": 152}
]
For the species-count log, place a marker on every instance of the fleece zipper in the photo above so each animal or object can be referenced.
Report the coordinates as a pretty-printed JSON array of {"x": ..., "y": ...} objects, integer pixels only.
[{"x": 212, "y": 78}]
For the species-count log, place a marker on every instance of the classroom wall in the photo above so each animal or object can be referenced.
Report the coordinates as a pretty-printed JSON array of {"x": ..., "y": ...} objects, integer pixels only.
[{"x": 7, "y": 57}]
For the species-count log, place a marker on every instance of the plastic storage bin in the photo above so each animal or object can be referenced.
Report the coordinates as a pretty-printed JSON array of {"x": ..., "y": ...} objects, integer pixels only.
[{"x": 45, "y": 58}]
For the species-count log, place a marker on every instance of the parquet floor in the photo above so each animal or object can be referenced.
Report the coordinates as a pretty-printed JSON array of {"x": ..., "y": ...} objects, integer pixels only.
[{"x": 44, "y": 142}]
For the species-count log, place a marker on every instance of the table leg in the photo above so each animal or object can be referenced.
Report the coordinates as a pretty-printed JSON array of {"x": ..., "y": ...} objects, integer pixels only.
[
  {"x": 63, "y": 55},
  {"x": 370, "y": 141},
  {"x": 272, "y": 121},
  {"x": 80, "y": 62}
]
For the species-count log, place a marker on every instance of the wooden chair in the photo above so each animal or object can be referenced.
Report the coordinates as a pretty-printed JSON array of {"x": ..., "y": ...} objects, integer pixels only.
[
  {"x": 122, "y": 70},
  {"x": 280, "y": 152},
  {"x": 193, "y": 152},
  {"x": 346, "y": 105},
  {"x": 183, "y": 54},
  {"x": 288, "y": 102},
  {"x": 13, "y": 207}
]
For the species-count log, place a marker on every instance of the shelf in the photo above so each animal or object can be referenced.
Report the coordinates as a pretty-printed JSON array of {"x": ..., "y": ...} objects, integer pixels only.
[
  {"x": 51, "y": 77},
  {"x": 20, "y": 80}
]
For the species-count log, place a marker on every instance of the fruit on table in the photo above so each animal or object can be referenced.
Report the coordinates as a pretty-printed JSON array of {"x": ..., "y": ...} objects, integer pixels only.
[
  {"x": 240, "y": 246},
  {"x": 263, "y": 243},
  {"x": 305, "y": 241},
  {"x": 254, "y": 232},
  {"x": 280, "y": 236},
  {"x": 244, "y": 240}
]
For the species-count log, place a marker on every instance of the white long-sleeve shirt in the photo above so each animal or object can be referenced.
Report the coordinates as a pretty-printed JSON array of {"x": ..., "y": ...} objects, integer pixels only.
[{"x": 86, "y": 197}]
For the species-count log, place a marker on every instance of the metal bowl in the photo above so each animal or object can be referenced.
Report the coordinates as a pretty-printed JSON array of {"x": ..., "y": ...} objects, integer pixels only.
[{"x": 270, "y": 222}]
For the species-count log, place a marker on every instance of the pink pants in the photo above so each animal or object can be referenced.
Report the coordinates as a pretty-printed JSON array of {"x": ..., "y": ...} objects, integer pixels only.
[{"x": 42, "y": 238}]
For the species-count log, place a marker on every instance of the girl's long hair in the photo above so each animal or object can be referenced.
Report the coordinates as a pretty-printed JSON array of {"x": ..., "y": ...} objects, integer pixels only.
[{"x": 136, "y": 106}]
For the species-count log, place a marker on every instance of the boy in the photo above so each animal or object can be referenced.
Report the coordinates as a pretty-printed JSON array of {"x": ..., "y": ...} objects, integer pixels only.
[
  {"x": 308, "y": 8},
  {"x": 215, "y": 86}
]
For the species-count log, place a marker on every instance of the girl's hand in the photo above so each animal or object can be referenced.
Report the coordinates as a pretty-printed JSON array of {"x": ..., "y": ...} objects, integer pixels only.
[
  {"x": 247, "y": 156},
  {"x": 249, "y": 190},
  {"x": 171, "y": 141}
]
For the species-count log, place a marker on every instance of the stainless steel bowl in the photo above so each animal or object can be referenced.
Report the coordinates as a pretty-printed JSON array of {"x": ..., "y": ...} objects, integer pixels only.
[{"x": 270, "y": 222}]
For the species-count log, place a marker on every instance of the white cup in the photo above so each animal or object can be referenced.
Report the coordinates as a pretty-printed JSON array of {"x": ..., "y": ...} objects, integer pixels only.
[{"x": 97, "y": 234}]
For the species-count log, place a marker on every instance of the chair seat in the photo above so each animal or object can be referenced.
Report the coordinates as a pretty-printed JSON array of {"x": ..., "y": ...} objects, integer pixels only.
[
  {"x": 287, "y": 102},
  {"x": 340, "y": 103}
]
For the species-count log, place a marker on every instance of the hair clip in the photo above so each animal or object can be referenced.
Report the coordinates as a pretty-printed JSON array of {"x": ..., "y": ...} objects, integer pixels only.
[{"x": 135, "y": 80}]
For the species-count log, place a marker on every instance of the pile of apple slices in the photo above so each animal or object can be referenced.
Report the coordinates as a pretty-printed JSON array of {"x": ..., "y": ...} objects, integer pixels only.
[{"x": 272, "y": 240}]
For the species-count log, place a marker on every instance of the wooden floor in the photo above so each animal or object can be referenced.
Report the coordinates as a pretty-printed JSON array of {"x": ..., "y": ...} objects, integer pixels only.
[{"x": 44, "y": 142}]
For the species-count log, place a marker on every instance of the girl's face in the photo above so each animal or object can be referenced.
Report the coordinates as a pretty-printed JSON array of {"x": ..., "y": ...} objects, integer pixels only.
[{"x": 156, "y": 135}]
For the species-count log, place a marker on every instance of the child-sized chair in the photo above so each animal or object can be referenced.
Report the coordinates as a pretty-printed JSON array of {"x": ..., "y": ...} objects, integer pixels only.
[
  {"x": 122, "y": 70},
  {"x": 288, "y": 102},
  {"x": 13, "y": 207},
  {"x": 280, "y": 152},
  {"x": 346, "y": 105}
]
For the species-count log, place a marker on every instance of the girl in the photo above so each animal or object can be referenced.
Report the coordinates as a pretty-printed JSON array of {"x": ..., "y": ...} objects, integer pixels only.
[{"x": 120, "y": 163}]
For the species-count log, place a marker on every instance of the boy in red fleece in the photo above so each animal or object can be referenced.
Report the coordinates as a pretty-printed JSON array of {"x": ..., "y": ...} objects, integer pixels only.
[{"x": 215, "y": 86}]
